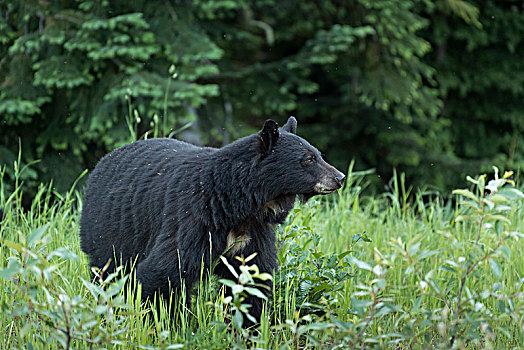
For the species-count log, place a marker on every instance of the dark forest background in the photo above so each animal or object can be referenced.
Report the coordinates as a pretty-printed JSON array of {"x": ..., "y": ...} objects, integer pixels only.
[{"x": 434, "y": 89}]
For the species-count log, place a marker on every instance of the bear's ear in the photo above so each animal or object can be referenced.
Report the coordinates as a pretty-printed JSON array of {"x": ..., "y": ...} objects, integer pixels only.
[
  {"x": 268, "y": 136},
  {"x": 291, "y": 125}
]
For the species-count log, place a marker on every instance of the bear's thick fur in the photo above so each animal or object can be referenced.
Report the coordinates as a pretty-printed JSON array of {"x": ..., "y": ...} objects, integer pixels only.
[{"x": 170, "y": 206}]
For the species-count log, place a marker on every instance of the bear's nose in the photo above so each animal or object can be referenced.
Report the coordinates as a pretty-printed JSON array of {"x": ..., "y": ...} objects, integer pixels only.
[{"x": 340, "y": 178}]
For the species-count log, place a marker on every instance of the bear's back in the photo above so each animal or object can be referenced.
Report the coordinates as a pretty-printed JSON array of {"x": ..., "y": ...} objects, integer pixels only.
[{"x": 124, "y": 197}]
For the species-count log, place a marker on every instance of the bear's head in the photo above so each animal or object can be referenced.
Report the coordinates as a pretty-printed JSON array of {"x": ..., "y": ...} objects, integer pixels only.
[{"x": 292, "y": 165}]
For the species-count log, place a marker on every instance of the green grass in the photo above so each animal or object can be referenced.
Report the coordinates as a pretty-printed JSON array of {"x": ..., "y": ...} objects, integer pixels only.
[{"x": 356, "y": 272}]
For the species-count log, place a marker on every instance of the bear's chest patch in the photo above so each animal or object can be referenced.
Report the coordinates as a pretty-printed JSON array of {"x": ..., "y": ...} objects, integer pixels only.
[
  {"x": 236, "y": 242},
  {"x": 274, "y": 206}
]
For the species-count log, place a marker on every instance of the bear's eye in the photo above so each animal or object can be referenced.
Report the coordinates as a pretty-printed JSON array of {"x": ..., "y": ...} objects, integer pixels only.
[{"x": 310, "y": 159}]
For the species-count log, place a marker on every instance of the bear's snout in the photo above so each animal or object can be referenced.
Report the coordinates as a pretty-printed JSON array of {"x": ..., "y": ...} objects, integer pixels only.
[{"x": 330, "y": 181}]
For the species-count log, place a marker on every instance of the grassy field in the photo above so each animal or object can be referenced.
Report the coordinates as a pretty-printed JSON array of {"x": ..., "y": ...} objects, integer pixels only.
[{"x": 398, "y": 270}]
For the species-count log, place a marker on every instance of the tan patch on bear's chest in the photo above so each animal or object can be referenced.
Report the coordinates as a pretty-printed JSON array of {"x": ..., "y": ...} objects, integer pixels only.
[
  {"x": 274, "y": 206},
  {"x": 236, "y": 242}
]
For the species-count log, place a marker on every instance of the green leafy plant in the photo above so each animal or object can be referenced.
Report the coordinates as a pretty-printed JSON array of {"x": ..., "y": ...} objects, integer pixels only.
[
  {"x": 486, "y": 208},
  {"x": 40, "y": 296},
  {"x": 327, "y": 313},
  {"x": 243, "y": 286},
  {"x": 462, "y": 314},
  {"x": 317, "y": 276}
]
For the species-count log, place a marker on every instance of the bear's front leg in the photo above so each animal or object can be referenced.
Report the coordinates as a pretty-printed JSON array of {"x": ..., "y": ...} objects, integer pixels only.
[{"x": 267, "y": 262}]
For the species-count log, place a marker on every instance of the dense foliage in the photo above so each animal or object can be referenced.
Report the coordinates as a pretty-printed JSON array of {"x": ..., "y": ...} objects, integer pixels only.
[
  {"x": 481, "y": 84},
  {"x": 434, "y": 88},
  {"x": 356, "y": 272}
]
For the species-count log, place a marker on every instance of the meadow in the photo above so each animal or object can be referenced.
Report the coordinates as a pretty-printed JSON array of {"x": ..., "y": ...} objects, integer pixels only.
[{"x": 406, "y": 269}]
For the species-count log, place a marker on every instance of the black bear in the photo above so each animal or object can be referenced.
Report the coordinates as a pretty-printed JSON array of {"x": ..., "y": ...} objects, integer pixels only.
[{"x": 170, "y": 206}]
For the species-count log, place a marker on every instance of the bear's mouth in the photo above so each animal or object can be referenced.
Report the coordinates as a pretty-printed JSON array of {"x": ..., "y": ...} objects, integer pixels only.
[
  {"x": 321, "y": 189},
  {"x": 318, "y": 189}
]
